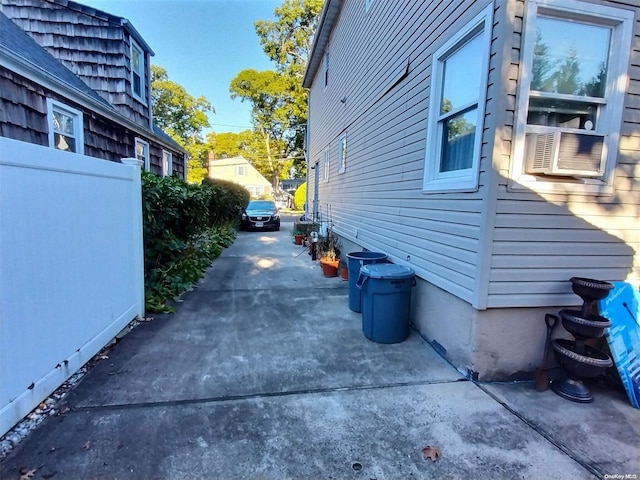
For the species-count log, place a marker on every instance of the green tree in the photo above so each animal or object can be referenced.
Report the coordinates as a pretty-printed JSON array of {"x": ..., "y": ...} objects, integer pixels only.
[
  {"x": 595, "y": 87},
  {"x": 459, "y": 125},
  {"x": 567, "y": 77},
  {"x": 229, "y": 144},
  {"x": 287, "y": 41},
  {"x": 267, "y": 93},
  {"x": 542, "y": 67},
  {"x": 183, "y": 117}
]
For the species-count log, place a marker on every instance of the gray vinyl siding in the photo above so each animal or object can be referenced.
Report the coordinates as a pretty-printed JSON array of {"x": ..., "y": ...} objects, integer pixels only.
[
  {"x": 540, "y": 241},
  {"x": 378, "y": 202},
  {"x": 493, "y": 247}
]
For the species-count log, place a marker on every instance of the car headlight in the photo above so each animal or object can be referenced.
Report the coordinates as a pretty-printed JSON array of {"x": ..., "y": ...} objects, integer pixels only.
[
  {"x": 276, "y": 216},
  {"x": 244, "y": 216}
]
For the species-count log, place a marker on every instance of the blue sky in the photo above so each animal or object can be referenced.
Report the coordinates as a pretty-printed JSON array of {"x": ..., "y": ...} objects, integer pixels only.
[{"x": 202, "y": 44}]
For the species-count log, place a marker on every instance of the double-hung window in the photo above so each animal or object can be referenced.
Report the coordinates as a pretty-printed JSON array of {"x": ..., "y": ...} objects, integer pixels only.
[
  {"x": 241, "y": 170},
  {"x": 138, "y": 77},
  {"x": 571, "y": 94},
  {"x": 456, "y": 108},
  {"x": 65, "y": 127},
  {"x": 142, "y": 153},
  {"x": 167, "y": 163}
]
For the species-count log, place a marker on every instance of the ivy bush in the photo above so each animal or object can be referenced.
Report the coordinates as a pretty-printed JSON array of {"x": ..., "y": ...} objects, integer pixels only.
[{"x": 185, "y": 227}]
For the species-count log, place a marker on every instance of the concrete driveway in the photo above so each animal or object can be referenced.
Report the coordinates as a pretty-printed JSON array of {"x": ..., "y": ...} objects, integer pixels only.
[{"x": 263, "y": 372}]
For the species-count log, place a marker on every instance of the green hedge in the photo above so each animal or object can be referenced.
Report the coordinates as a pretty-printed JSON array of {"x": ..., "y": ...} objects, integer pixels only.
[{"x": 185, "y": 227}]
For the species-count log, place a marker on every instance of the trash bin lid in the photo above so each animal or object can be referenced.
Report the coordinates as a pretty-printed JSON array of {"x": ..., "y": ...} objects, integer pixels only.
[{"x": 387, "y": 271}]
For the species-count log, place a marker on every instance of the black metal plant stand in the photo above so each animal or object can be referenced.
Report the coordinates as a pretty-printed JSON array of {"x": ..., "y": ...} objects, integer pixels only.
[{"x": 580, "y": 360}]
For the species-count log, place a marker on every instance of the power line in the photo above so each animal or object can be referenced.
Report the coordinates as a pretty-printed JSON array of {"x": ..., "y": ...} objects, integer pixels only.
[{"x": 236, "y": 126}]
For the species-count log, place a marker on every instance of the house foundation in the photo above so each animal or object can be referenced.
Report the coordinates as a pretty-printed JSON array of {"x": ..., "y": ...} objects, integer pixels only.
[{"x": 492, "y": 344}]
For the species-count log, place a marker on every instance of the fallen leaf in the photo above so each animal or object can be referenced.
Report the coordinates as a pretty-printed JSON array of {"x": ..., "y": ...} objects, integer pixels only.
[
  {"x": 26, "y": 474},
  {"x": 431, "y": 452},
  {"x": 64, "y": 410},
  {"x": 87, "y": 445}
]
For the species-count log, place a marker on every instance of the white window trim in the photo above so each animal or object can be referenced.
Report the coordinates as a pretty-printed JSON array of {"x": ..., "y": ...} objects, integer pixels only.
[
  {"x": 325, "y": 68},
  {"x": 78, "y": 123},
  {"x": 325, "y": 165},
  {"x": 239, "y": 169},
  {"x": 167, "y": 169},
  {"x": 143, "y": 76},
  {"x": 622, "y": 34},
  {"x": 147, "y": 161},
  {"x": 465, "y": 180},
  {"x": 342, "y": 154}
]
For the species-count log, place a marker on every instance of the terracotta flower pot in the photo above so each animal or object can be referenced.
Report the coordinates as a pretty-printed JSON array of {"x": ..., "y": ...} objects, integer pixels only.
[
  {"x": 344, "y": 272},
  {"x": 329, "y": 267},
  {"x": 298, "y": 238}
]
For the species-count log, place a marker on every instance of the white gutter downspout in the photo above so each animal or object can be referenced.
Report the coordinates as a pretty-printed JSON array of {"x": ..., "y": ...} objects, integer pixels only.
[{"x": 306, "y": 153}]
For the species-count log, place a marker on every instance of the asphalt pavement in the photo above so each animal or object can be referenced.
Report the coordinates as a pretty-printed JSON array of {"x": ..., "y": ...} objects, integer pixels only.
[{"x": 263, "y": 372}]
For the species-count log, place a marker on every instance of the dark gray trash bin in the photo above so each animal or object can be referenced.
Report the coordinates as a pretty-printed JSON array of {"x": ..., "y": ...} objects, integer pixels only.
[{"x": 386, "y": 300}]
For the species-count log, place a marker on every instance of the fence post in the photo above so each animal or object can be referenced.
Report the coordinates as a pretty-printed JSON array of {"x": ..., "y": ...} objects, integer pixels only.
[{"x": 136, "y": 223}]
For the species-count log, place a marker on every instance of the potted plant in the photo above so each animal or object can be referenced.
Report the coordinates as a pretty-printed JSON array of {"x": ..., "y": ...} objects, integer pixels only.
[
  {"x": 298, "y": 237},
  {"x": 329, "y": 254}
]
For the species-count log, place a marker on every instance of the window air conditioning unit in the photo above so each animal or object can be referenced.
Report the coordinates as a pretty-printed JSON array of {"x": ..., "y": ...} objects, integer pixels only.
[{"x": 564, "y": 153}]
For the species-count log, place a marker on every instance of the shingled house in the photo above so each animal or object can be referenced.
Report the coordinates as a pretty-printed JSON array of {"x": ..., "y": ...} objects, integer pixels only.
[{"x": 77, "y": 79}]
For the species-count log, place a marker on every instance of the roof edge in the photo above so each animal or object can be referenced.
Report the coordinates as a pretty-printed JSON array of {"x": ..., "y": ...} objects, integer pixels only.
[
  {"x": 23, "y": 67},
  {"x": 109, "y": 17},
  {"x": 328, "y": 18}
]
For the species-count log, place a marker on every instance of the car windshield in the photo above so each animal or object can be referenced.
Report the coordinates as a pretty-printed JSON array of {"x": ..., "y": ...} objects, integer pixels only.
[{"x": 261, "y": 205}]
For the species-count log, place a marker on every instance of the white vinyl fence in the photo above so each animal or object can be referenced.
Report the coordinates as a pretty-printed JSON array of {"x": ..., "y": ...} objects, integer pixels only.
[{"x": 71, "y": 266}]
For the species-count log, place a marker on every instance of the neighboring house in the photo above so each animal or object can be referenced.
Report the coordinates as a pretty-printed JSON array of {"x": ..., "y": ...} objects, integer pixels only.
[
  {"x": 77, "y": 79},
  {"x": 290, "y": 185},
  {"x": 492, "y": 146},
  {"x": 240, "y": 171}
]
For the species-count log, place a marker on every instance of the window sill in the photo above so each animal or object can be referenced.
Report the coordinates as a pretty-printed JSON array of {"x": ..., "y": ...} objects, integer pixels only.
[
  {"x": 570, "y": 185},
  {"x": 450, "y": 185}
]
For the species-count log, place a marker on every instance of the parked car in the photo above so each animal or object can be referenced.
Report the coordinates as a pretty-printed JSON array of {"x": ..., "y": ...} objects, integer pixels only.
[{"x": 259, "y": 215}]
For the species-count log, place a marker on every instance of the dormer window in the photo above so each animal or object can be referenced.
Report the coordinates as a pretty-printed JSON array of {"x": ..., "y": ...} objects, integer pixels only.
[{"x": 138, "y": 79}]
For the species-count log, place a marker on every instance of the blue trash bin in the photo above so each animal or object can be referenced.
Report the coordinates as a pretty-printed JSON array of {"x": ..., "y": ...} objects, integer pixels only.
[
  {"x": 386, "y": 299},
  {"x": 355, "y": 260}
]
